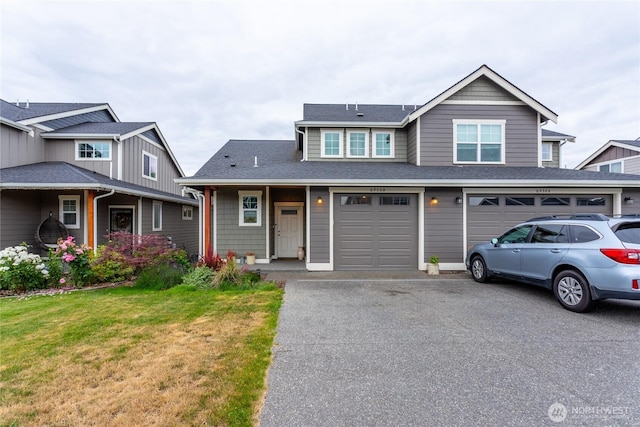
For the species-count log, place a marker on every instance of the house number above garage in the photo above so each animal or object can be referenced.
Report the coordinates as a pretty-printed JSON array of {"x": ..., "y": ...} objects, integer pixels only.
[
  {"x": 543, "y": 190},
  {"x": 377, "y": 190}
]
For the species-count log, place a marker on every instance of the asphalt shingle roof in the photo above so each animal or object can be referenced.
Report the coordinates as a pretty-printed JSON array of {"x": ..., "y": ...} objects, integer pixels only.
[
  {"x": 39, "y": 109},
  {"x": 62, "y": 175},
  {"x": 279, "y": 161},
  {"x": 108, "y": 128},
  {"x": 356, "y": 113}
]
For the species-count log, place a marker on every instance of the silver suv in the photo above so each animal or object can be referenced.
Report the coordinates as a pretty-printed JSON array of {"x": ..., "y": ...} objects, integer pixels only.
[{"x": 583, "y": 258}]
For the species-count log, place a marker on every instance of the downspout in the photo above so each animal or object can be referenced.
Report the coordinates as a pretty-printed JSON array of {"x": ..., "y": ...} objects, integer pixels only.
[
  {"x": 304, "y": 144},
  {"x": 95, "y": 218}
]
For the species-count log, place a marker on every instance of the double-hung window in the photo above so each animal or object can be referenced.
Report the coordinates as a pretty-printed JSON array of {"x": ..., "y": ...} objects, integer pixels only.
[
  {"x": 149, "y": 166},
  {"x": 70, "y": 211},
  {"x": 358, "y": 144},
  {"x": 331, "y": 143},
  {"x": 383, "y": 144},
  {"x": 480, "y": 141},
  {"x": 250, "y": 208},
  {"x": 96, "y": 150},
  {"x": 547, "y": 151}
]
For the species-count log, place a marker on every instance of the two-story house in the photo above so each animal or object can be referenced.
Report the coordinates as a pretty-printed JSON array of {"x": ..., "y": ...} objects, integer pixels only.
[
  {"x": 388, "y": 186},
  {"x": 617, "y": 155},
  {"x": 82, "y": 166}
]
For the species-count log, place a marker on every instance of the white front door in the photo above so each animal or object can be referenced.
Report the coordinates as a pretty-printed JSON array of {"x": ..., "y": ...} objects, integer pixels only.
[{"x": 288, "y": 231}]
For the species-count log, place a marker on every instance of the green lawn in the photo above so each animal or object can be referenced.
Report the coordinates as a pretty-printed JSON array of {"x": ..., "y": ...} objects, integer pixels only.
[{"x": 125, "y": 356}]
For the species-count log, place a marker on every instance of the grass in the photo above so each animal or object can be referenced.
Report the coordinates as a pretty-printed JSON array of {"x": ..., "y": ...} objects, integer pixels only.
[{"x": 129, "y": 356}]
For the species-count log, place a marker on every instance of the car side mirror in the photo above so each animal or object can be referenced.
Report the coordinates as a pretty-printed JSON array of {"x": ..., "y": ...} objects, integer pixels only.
[{"x": 494, "y": 241}]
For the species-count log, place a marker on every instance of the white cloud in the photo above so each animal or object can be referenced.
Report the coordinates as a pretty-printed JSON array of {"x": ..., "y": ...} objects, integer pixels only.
[{"x": 209, "y": 71}]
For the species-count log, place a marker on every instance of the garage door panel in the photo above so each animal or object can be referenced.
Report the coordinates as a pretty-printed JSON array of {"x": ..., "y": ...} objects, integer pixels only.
[{"x": 375, "y": 235}]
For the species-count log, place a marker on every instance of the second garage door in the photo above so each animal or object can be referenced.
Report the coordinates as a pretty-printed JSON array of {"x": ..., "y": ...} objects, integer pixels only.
[
  {"x": 491, "y": 215},
  {"x": 374, "y": 231}
]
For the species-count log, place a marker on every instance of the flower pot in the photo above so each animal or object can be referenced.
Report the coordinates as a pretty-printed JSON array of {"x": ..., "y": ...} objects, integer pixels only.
[
  {"x": 300, "y": 253},
  {"x": 251, "y": 259},
  {"x": 433, "y": 269}
]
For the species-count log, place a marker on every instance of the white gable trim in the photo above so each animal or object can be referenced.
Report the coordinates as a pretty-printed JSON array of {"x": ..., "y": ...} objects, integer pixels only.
[
  {"x": 603, "y": 149},
  {"x": 497, "y": 79},
  {"x": 69, "y": 114}
]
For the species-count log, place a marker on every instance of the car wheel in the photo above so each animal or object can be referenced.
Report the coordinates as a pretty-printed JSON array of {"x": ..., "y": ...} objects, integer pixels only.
[
  {"x": 479, "y": 269},
  {"x": 572, "y": 291}
]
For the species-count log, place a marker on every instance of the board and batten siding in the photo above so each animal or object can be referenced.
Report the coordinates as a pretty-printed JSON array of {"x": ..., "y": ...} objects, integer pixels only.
[
  {"x": 482, "y": 89},
  {"x": 443, "y": 224},
  {"x": 64, "y": 150},
  {"x": 18, "y": 148},
  {"x": 314, "y": 146},
  {"x": 319, "y": 227},
  {"x": 521, "y": 132},
  {"x": 232, "y": 236},
  {"x": 614, "y": 153},
  {"x": 412, "y": 155},
  {"x": 132, "y": 149}
]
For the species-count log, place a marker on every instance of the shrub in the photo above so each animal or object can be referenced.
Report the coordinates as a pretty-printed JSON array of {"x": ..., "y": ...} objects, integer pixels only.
[
  {"x": 159, "y": 277},
  {"x": 200, "y": 277},
  {"x": 77, "y": 258},
  {"x": 211, "y": 260},
  {"x": 228, "y": 273},
  {"x": 111, "y": 266},
  {"x": 21, "y": 270}
]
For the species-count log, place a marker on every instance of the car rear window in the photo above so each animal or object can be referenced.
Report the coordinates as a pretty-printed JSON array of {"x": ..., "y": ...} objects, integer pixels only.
[{"x": 629, "y": 232}]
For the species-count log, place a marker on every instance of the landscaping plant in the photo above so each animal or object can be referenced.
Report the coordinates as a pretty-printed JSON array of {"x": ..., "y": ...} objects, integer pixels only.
[
  {"x": 76, "y": 257},
  {"x": 20, "y": 270}
]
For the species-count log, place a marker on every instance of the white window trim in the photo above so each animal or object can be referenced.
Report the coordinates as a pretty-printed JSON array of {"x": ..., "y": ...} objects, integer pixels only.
[
  {"x": 503, "y": 144},
  {"x": 611, "y": 163},
  {"x": 550, "y": 158},
  {"x": 93, "y": 159},
  {"x": 153, "y": 216},
  {"x": 366, "y": 143},
  {"x": 187, "y": 213},
  {"x": 258, "y": 222},
  {"x": 146, "y": 153},
  {"x": 61, "y": 200},
  {"x": 340, "y": 133},
  {"x": 392, "y": 144}
]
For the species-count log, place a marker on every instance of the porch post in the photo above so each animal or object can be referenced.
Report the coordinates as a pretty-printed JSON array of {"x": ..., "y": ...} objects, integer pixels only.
[
  {"x": 90, "y": 213},
  {"x": 207, "y": 219}
]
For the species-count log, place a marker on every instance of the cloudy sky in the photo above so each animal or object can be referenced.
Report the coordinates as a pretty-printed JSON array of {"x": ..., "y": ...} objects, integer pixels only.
[{"x": 210, "y": 71}]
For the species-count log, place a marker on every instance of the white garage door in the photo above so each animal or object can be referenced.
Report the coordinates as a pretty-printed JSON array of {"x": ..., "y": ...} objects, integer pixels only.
[
  {"x": 489, "y": 215},
  {"x": 374, "y": 231}
]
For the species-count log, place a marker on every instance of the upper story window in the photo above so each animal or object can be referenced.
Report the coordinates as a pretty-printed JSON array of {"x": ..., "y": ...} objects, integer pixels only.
[
  {"x": 331, "y": 143},
  {"x": 479, "y": 141},
  {"x": 383, "y": 144},
  {"x": 149, "y": 166},
  {"x": 93, "y": 150},
  {"x": 70, "y": 211},
  {"x": 250, "y": 209},
  {"x": 547, "y": 151},
  {"x": 358, "y": 144},
  {"x": 611, "y": 167}
]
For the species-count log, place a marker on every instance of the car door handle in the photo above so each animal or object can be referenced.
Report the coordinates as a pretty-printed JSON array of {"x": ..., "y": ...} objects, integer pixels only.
[
  {"x": 556, "y": 251},
  {"x": 515, "y": 251}
]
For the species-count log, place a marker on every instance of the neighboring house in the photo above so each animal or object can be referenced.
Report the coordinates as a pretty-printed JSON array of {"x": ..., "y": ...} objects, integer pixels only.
[
  {"x": 366, "y": 187},
  {"x": 83, "y": 166},
  {"x": 619, "y": 156}
]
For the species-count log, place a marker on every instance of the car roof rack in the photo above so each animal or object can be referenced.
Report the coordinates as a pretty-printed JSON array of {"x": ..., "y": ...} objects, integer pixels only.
[{"x": 585, "y": 216}]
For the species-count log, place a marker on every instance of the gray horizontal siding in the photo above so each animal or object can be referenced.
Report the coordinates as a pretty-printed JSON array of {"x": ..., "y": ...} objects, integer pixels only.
[
  {"x": 231, "y": 236},
  {"x": 632, "y": 166},
  {"x": 19, "y": 217},
  {"x": 64, "y": 150},
  {"x": 443, "y": 226},
  {"x": 183, "y": 233},
  {"x": 555, "y": 157},
  {"x": 521, "y": 132},
  {"x": 320, "y": 228}
]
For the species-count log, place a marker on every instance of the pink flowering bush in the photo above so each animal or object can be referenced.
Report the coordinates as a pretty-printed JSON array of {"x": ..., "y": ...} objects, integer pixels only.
[{"x": 77, "y": 258}]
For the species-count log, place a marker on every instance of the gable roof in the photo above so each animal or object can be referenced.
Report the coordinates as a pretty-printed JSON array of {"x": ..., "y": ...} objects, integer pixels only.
[
  {"x": 485, "y": 71},
  {"x": 629, "y": 144},
  {"x": 36, "y": 112},
  {"x": 65, "y": 176},
  {"x": 399, "y": 115},
  {"x": 280, "y": 164}
]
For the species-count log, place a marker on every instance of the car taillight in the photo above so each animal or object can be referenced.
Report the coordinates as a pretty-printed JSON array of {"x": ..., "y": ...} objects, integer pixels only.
[{"x": 623, "y": 256}]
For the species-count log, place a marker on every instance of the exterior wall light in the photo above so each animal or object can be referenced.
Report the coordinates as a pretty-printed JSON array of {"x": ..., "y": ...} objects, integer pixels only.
[
  {"x": 458, "y": 200},
  {"x": 434, "y": 201},
  {"x": 319, "y": 200},
  {"x": 628, "y": 200}
]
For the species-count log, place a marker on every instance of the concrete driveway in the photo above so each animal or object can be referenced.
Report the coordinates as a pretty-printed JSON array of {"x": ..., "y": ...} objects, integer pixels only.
[{"x": 411, "y": 351}]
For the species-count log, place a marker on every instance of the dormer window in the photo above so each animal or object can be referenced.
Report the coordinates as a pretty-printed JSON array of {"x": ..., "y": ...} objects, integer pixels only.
[
  {"x": 95, "y": 150},
  {"x": 479, "y": 141},
  {"x": 331, "y": 143},
  {"x": 358, "y": 144}
]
